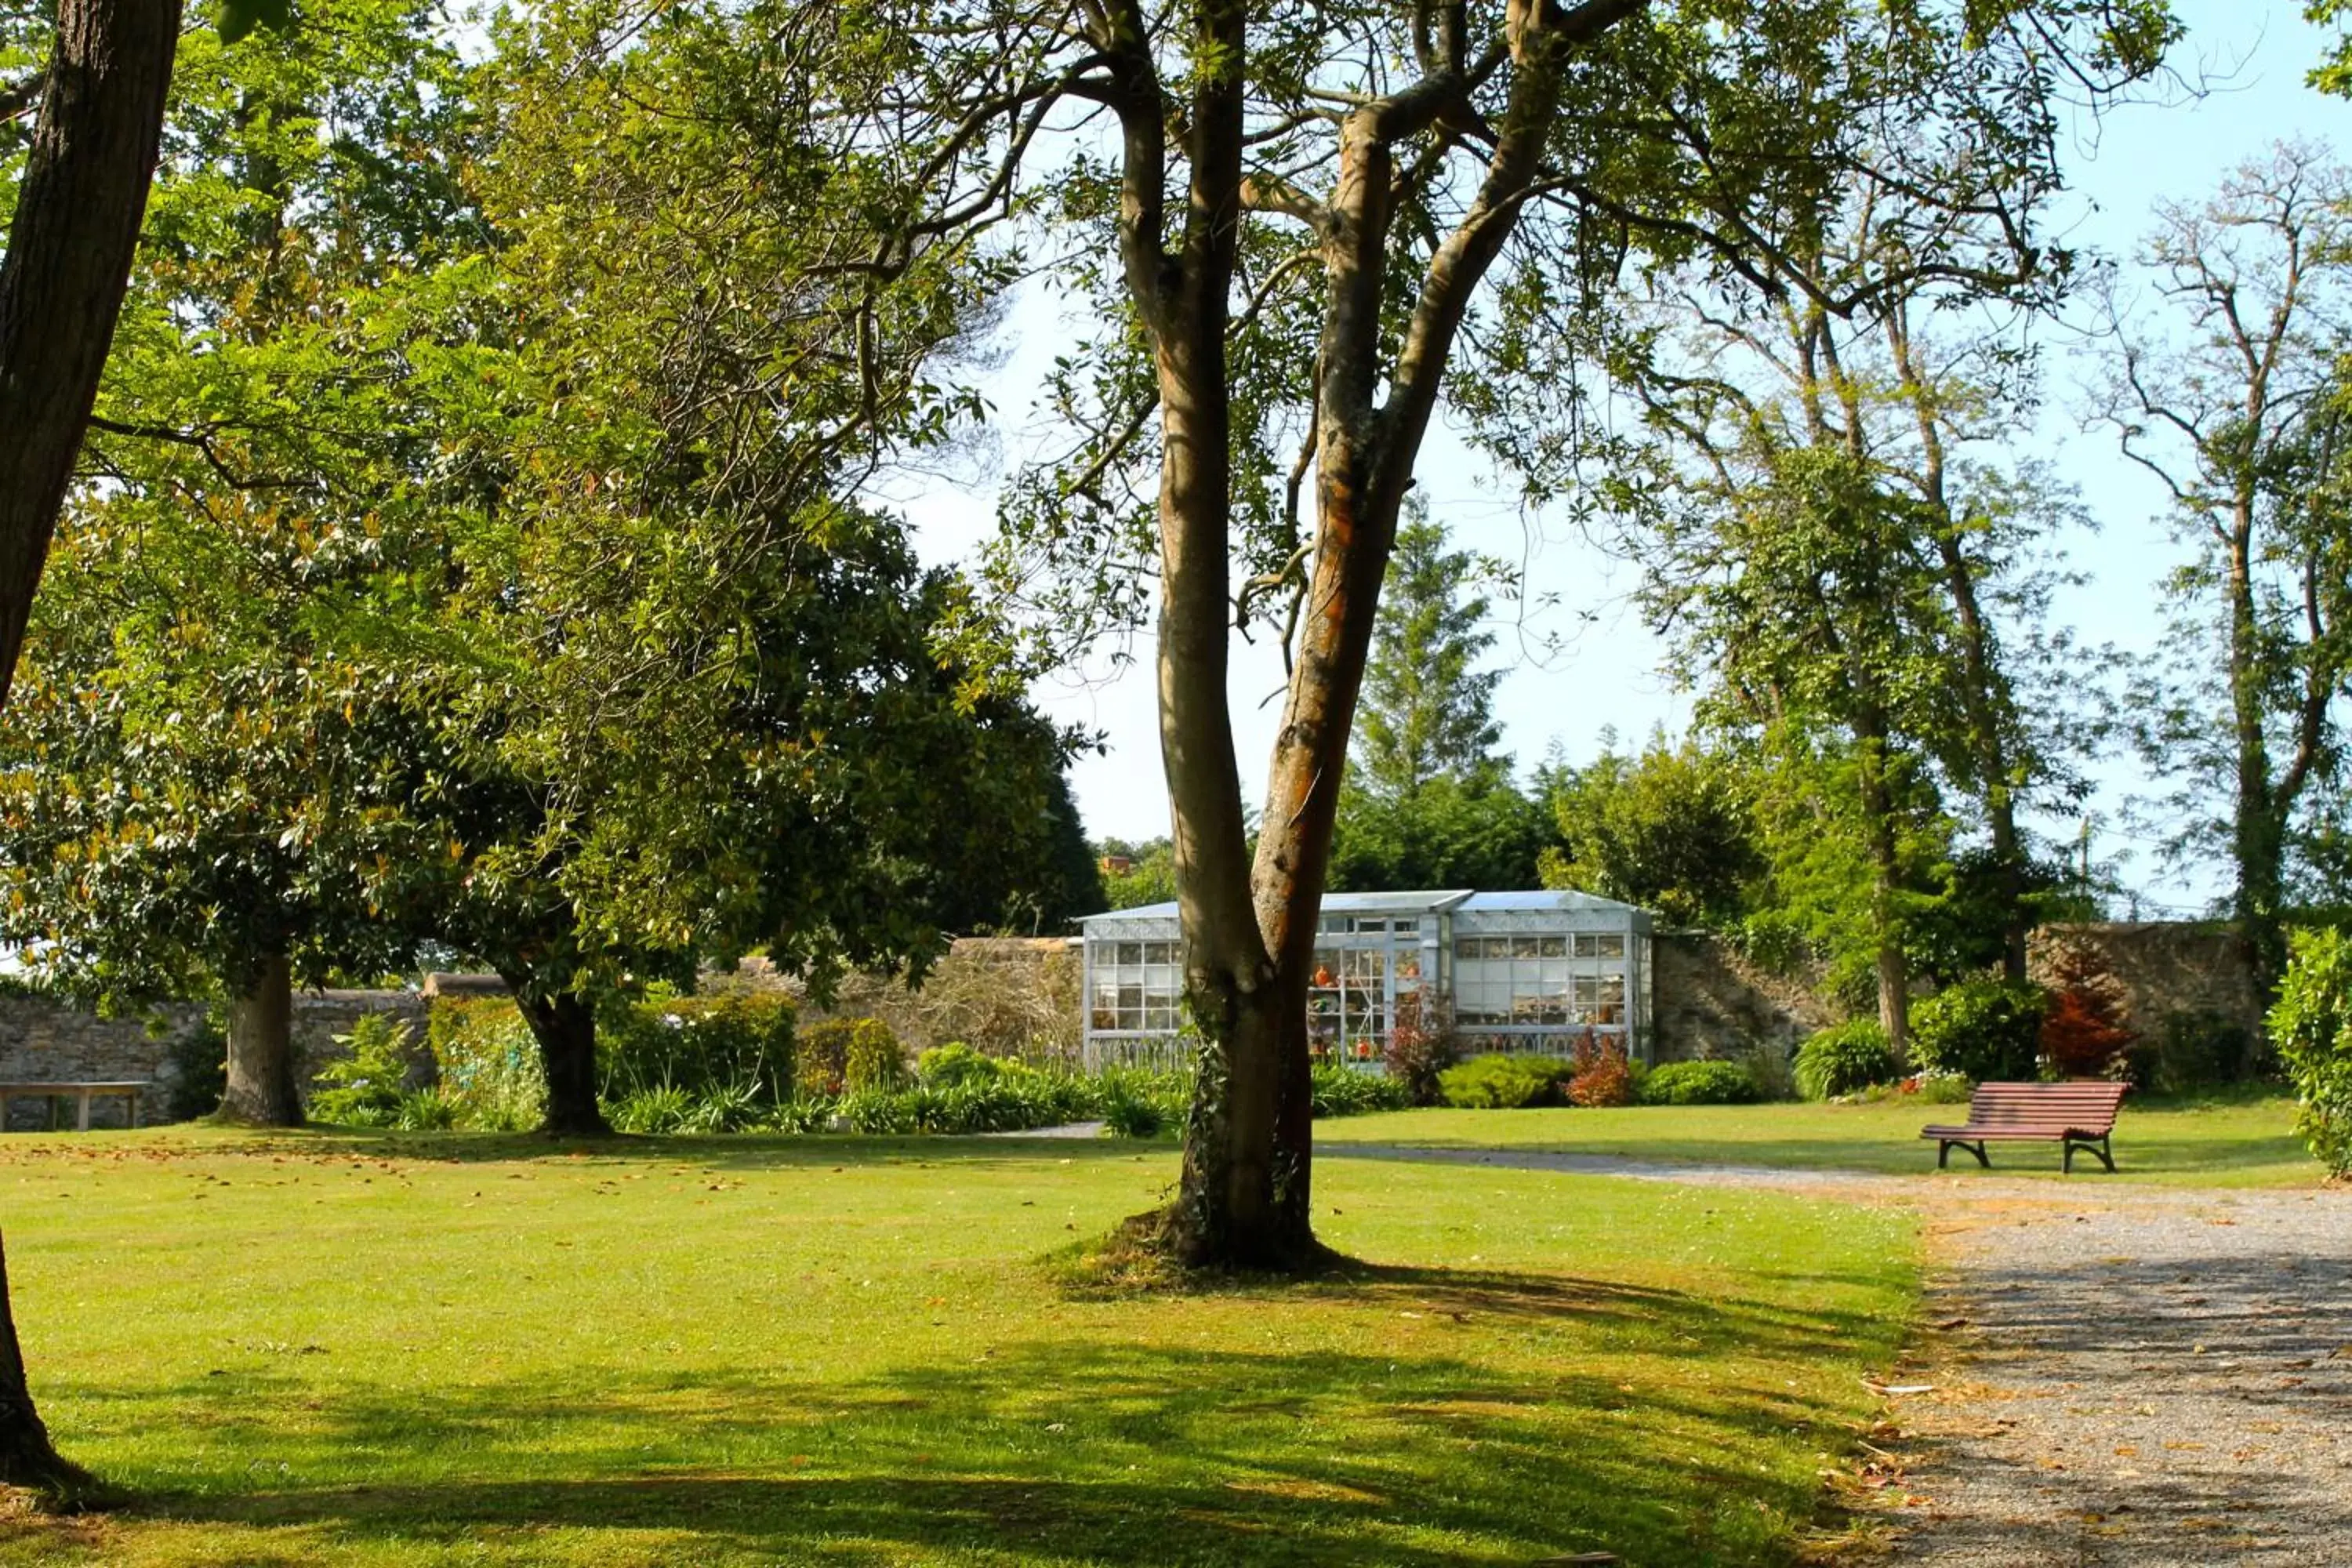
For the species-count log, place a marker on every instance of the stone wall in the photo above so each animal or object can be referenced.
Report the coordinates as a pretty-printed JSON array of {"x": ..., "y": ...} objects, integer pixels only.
[
  {"x": 1708, "y": 1001},
  {"x": 42, "y": 1041},
  {"x": 2164, "y": 967}
]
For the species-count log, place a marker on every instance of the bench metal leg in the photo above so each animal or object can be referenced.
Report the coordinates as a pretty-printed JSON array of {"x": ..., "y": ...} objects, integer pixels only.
[
  {"x": 1944, "y": 1154},
  {"x": 81, "y": 1112},
  {"x": 2087, "y": 1147}
]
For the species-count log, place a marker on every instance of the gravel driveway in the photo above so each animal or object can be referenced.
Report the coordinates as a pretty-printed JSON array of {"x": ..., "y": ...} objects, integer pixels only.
[{"x": 2120, "y": 1374}]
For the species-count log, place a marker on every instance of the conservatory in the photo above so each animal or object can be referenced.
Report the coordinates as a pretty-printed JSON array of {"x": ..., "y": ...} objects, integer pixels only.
[{"x": 1521, "y": 973}]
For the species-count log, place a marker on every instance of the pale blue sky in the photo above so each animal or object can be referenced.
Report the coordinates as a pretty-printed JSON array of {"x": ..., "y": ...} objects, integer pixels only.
[{"x": 2251, "y": 53}]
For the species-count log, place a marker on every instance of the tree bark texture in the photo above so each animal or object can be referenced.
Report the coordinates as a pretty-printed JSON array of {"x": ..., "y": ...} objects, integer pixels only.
[
  {"x": 564, "y": 1025},
  {"x": 264, "y": 1087},
  {"x": 27, "y": 1456},
  {"x": 70, "y": 250}
]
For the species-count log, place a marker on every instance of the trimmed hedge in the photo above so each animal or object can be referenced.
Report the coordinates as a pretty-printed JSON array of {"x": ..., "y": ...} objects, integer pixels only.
[{"x": 1507, "y": 1083}]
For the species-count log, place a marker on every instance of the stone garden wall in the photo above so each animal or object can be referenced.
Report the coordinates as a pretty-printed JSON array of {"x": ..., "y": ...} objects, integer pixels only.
[
  {"x": 50, "y": 1042},
  {"x": 1708, "y": 1001},
  {"x": 2164, "y": 967}
]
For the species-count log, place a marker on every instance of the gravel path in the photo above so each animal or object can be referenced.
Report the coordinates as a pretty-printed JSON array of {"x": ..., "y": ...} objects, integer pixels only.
[
  {"x": 2150, "y": 1379},
  {"x": 2121, "y": 1374}
]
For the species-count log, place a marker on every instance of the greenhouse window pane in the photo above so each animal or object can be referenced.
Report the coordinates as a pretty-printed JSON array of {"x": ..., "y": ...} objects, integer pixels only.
[
  {"x": 1554, "y": 946},
  {"x": 1613, "y": 945},
  {"x": 1130, "y": 952}
]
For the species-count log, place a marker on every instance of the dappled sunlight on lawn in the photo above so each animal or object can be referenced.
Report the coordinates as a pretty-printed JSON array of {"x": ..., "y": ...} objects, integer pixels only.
[{"x": 329, "y": 1349}]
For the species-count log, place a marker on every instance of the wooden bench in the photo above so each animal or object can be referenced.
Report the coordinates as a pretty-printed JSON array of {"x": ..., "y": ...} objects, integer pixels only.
[
  {"x": 2078, "y": 1115},
  {"x": 83, "y": 1093}
]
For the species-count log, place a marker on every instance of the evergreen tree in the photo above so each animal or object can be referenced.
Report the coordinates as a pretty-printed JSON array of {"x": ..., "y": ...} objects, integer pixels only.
[{"x": 1427, "y": 710}]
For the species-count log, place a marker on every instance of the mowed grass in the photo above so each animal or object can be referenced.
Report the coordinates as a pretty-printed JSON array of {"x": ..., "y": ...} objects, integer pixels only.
[
  {"x": 331, "y": 1349},
  {"x": 2244, "y": 1139}
]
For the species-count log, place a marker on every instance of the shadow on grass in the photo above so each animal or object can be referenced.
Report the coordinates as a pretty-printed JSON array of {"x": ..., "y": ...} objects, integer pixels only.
[{"x": 1039, "y": 1451}]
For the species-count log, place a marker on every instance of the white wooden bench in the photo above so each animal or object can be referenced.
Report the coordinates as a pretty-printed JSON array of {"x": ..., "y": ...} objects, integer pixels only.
[{"x": 81, "y": 1093}]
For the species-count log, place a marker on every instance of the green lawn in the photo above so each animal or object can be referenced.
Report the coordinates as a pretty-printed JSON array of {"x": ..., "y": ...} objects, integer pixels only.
[
  {"x": 330, "y": 1350},
  {"x": 2226, "y": 1140}
]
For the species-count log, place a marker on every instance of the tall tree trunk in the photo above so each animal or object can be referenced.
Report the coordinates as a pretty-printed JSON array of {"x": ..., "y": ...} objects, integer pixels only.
[
  {"x": 564, "y": 1025},
  {"x": 70, "y": 248},
  {"x": 79, "y": 208},
  {"x": 1885, "y": 881},
  {"x": 263, "y": 1089},
  {"x": 2258, "y": 825}
]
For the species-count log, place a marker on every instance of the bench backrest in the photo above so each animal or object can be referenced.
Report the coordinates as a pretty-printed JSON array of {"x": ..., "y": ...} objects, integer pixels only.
[{"x": 2088, "y": 1106}]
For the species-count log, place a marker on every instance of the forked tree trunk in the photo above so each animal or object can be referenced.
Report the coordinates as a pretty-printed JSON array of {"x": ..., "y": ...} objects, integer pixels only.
[
  {"x": 264, "y": 1089},
  {"x": 1249, "y": 929},
  {"x": 79, "y": 208},
  {"x": 564, "y": 1025}
]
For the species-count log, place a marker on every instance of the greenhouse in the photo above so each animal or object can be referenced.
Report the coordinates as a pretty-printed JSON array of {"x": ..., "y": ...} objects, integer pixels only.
[{"x": 1526, "y": 973}]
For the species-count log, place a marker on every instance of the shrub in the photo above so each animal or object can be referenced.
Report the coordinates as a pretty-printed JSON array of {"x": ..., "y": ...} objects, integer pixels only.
[
  {"x": 1942, "y": 1089},
  {"x": 1420, "y": 1049},
  {"x": 956, "y": 1063},
  {"x": 735, "y": 1043},
  {"x": 1701, "y": 1083},
  {"x": 1506, "y": 1083},
  {"x": 2190, "y": 1050},
  {"x": 199, "y": 1069},
  {"x": 821, "y": 1056},
  {"x": 873, "y": 1060},
  {"x": 368, "y": 1086},
  {"x": 651, "y": 1111},
  {"x": 1139, "y": 1102},
  {"x": 1978, "y": 1029},
  {"x": 1344, "y": 1091},
  {"x": 2311, "y": 1029},
  {"x": 426, "y": 1110},
  {"x": 2083, "y": 1033},
  {"x": 1843, "y": 1058},
  {"x": 1603, "y": 1077},
  {"x": 488, "y": 1061}
]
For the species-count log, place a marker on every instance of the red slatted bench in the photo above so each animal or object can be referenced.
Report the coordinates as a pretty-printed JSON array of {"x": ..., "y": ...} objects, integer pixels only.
[{"x": 2078, "y": 1115}]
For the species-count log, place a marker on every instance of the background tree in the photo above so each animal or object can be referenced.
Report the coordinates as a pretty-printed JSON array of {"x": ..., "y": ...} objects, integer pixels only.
[
  {"x": 204, "y": 785},
  {"x": 1449, "y": 831},
  {"x": 1427, "y": 710},
  {"x": 2227, "y": 388},
  {"x": 1673, "y": 830}
]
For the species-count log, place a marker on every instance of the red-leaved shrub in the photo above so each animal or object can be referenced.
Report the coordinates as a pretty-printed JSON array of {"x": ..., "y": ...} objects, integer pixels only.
[
  {"x": 1603, "y": 1075},
  {"x": 2084, "y": 1034}
]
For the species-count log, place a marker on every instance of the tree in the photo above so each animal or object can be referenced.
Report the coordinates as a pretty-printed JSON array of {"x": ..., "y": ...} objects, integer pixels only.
[
  {"x": 203, "y": 783},
  {"x": 1450, "y": 831},
  {"x": 1672, "y": 830},
  {"x": 1298, "y": 230},
  {"x": 1148, "y": 875},
  {"x": 1426, "y": 710},
  {"x": 72, "y": 229},
  {"x": 2232, "y": 398}
]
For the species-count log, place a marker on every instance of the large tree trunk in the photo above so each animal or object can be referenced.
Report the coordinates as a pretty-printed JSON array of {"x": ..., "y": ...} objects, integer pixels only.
[
  {"x": 77, "y": 225},
  {"x": 1886, "y": 882},
  {"x": 79, "y": 208},
  {"x": 2258, "y": 825},
  {"x": 263, "y": 1089},
  {"x": 565, "y": 1027}
]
